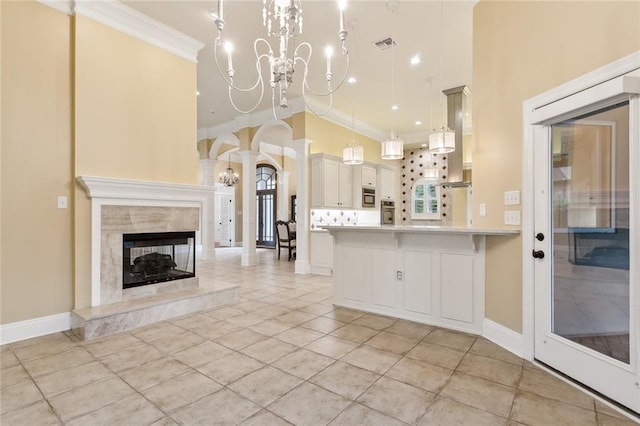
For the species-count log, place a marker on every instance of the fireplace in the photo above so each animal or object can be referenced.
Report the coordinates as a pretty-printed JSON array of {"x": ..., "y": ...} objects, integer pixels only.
[{"x": 155, "y": 257}]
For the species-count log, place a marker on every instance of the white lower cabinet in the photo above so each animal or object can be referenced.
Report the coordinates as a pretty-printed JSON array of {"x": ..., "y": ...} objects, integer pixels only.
[
  {"x": 356, "y": 270},
  {"x": 385, "y": 288},
  {"x": 418, "y": 281},
  {"x": 321, "y": 252}
]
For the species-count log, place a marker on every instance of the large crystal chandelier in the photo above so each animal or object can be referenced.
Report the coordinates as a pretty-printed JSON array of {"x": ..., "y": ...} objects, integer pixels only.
[{"x": 282, "y": 20}]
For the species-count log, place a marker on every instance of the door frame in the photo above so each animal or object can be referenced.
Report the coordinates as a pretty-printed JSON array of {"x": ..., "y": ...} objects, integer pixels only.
[
  {"x": 229, "y": 191},
  {"x": 608, "y": 72}
]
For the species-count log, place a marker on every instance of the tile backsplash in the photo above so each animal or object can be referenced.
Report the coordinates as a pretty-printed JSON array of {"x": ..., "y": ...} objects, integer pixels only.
[{"x": 326, "y": 217}]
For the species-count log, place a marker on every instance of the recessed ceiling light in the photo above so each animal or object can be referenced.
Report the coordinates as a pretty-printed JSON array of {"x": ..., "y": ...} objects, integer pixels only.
[
  {"x": 418, "y": 123},
  {"x": 415, "y": 59},
  {"x": 352, "y": 80},
  {"x": 197, "y": 93},
  {"x": 424, "y": 145},
  {"x": 394, "y": 107}
]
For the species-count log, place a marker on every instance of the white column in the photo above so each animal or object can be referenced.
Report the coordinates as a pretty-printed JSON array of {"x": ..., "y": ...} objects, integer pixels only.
[
  {"x": 249, "y": 257},
  {"x": 208, "y": 167},
  {"x": 208, "y": 231},
  {"x": 283, "y": 195},
  {"x": 302, "y": 196}
]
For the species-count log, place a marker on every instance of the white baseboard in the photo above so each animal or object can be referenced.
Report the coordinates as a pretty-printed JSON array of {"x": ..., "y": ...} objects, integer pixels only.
[
  {"x": 35, "y": 327},
  {"x": 503, "y": 336}
]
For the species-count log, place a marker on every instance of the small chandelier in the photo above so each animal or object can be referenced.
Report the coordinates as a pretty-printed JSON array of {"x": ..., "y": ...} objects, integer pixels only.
[
  {"x": 229, "y": 177},
  {"x": 282, "y": 20},
  {"x": 443, "y": 141}
]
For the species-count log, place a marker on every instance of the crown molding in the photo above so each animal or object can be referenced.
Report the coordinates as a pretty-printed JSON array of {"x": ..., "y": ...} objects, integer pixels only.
[
  {"x": 296, "y": 105},
  {"x": 129, "y": 21},
  {"x": 64, "y": 6}
]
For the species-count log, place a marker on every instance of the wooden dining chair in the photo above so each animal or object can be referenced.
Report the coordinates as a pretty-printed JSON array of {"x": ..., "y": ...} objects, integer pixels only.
[{"x": 285, "y": 238}]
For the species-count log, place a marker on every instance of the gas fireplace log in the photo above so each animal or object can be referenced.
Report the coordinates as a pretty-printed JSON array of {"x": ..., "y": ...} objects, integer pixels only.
[{"x": 153, "y": 264}]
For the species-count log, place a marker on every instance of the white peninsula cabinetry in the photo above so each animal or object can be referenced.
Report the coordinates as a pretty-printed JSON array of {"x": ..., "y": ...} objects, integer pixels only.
[
  {"x": 331, "y": 182},
  {"x": 433, "y": 275}
]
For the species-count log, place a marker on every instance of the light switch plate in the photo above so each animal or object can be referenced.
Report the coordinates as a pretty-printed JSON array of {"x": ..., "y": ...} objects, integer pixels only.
[
  {"x": 512, "y": 198},
  {"x": 512, "y": 217},
  {"x": 483, "y": 209},
  {"x": 63, "y": 202}
]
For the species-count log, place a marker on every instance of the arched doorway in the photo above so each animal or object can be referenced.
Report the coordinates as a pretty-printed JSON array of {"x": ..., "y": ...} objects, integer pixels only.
[{"x": 266, "y": 183}]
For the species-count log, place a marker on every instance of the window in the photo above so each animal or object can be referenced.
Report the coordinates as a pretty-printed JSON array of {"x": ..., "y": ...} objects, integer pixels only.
[{"x": 425, "y": 199}]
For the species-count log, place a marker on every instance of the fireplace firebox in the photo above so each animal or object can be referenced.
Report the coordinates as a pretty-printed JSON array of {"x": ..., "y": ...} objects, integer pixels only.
[{"x": 154, "y": 257}]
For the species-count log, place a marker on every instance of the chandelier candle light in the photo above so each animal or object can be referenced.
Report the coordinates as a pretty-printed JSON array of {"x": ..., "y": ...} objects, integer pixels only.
[
  {"x": 282, "y": 20},
  {"x": 229, "y": 177}
]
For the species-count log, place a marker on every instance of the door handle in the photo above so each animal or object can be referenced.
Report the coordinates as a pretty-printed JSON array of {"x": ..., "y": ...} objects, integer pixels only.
[
  {"x": 538, "y": 254},
  {"x": 540, "y": 236}
]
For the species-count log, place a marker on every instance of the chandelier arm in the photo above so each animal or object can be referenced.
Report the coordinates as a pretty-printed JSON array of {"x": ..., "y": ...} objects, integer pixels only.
[
  {"x": 306, "y": 69},
  {"x": 242, "y": 111},
  {"x": 259, "y": 80}
]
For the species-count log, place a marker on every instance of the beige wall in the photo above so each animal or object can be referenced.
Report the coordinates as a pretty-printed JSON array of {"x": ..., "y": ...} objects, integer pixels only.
[
  {"x": 135, "y": 118},
  {"x": 331, "y": 138},
  {"x": 36, "y": 162},
  {"x": 521, "y": 49}
]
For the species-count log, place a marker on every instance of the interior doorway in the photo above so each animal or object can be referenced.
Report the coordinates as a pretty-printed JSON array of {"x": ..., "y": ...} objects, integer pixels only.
[
  {"x": 266, "y": 204},
  {"x": 224, "y": 216}
]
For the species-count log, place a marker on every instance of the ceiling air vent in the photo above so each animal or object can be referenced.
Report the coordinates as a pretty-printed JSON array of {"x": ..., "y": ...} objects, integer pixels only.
[{"x": 386, "y": 43}]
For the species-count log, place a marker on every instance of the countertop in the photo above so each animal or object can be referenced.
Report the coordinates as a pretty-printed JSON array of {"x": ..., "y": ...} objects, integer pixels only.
[{"x": 416, "y": 229}]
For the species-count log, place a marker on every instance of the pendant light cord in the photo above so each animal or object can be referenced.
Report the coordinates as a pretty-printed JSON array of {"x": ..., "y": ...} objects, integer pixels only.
[
  {"x": 441, "y": 54},
  {"x": 393, "y": 50}
]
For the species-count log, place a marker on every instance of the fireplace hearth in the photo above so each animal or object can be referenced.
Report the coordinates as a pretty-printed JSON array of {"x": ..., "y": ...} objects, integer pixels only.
[{"x": 154, "y": 257}]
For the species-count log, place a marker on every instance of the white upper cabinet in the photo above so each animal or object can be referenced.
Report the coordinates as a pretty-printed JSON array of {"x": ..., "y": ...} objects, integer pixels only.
[
  {"x": 369, "y": 177},
  {"x": 331, "y": 182},
  {"x": 388, "y": 184}
]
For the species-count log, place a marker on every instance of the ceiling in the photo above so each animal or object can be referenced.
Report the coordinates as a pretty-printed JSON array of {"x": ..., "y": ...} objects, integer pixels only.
[{"x": 439, "y": 32}]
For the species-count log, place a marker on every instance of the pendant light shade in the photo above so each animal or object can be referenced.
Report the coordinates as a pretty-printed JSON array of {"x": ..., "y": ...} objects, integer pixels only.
[
  {"x": 392, "y": 148},
  {"x": 353, "y": 154},
  {"x": 442, "y": 142}
]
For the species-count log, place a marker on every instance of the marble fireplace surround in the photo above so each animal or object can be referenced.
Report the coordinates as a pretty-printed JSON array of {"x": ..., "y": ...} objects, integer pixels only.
[{"x": 121, "y": 206}]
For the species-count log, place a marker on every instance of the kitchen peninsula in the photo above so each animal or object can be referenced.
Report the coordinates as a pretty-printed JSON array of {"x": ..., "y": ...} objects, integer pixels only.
[{"x": 429, "y": 274}]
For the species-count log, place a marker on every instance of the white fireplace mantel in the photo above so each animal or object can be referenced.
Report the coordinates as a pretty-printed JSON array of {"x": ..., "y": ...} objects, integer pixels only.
[
  {"x": 124, "y": 192},
  {"x": 101, "y": 187}
]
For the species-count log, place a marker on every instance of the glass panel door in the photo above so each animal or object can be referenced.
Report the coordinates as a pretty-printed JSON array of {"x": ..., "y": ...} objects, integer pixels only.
[
  {"x": 590, "y": 240},
  {"x": 584, "y": 264}
]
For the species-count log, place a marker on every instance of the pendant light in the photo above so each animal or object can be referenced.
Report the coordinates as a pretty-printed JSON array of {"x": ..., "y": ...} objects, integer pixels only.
[
  {"x": 392, "y": 147},
  {"x": 353, "y": 153},
  {"x": 443, "y": 140}
]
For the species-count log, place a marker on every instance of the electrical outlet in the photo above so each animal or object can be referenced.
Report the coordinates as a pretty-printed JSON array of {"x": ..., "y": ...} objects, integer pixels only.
[
  {"x": 483, "y": 209},
  {"x": 512, "y": 198},
  {"x": 399, "y": 275},
  {"x": 63, "y": 202},
  {"x": 512, "y": 217}
]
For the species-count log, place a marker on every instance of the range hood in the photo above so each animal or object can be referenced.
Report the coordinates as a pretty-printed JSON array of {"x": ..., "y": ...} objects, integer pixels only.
[{"x": 456, "y": 111}]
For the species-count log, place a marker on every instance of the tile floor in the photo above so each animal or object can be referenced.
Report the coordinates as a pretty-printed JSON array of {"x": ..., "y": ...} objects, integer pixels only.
[{"x": 283, "y": 355}]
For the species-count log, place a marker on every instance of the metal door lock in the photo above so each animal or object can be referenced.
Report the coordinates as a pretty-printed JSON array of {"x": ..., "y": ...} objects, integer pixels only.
[{"x": 538, "y": 254}]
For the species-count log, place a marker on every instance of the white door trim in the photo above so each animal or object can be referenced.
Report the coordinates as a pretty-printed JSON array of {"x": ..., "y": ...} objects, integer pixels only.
[{"x": 608, "y": 72}]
